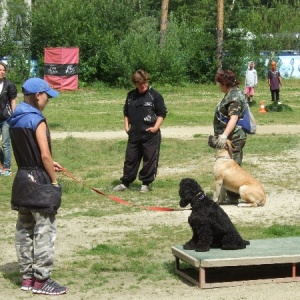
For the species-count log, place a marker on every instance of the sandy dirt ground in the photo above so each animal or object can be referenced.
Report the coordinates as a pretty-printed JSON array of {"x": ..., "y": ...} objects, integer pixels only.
[{"x": 283, "y": 206}]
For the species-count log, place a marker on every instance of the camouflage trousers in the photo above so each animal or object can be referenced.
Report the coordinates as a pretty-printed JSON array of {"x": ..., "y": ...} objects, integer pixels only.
[
  {"x": 237, "y": 151},
  {"x": 35, "y": 236}
]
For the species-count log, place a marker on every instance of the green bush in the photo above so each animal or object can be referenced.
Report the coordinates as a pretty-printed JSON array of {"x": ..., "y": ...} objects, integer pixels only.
[{"x": 275, "y": 107}]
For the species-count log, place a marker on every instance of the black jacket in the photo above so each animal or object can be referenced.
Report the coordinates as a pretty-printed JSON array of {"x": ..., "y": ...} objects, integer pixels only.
[
  {"x": 142, "y": 110},
  {"x": 9, "y": 92}
]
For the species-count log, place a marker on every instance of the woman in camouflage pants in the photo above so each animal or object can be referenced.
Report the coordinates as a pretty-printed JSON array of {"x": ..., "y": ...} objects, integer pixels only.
[{"x": 232, "y": 106}]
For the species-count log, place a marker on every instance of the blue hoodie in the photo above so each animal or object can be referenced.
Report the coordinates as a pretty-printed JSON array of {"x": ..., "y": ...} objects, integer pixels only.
[{"x": 25, "y": 115}]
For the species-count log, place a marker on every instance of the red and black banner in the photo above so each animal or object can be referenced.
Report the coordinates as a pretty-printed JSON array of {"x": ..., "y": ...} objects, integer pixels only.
[{"x": 61, "y": 68}]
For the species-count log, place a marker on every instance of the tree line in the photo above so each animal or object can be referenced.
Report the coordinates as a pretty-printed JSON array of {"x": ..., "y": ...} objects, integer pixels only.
[{"x": 116, "y": 37}]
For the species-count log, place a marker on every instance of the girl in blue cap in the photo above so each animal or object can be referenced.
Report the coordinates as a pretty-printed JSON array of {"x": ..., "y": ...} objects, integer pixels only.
[{"x": 36, "y": 195}]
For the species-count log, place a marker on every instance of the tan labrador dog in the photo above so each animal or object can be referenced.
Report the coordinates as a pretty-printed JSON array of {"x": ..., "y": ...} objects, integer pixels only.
[{"x": 230, "y": 176}]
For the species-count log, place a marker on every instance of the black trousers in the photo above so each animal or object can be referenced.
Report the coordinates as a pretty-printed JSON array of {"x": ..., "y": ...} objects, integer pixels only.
[
  {"x": 141, "y": 147},
  {"x": 275, "y": 95}
]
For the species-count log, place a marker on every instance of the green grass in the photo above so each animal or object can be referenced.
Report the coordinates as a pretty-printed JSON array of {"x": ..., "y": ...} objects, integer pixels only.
[
  {"x": 102, "y": 109},
  {"x": 140, "y": 255}
]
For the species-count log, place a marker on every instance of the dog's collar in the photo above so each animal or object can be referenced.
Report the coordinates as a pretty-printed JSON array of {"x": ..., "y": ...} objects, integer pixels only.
[{"x": 201, "y": 194}]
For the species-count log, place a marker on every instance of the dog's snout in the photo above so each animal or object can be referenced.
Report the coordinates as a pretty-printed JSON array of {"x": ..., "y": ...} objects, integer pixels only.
[{"x": 183, "y": 202}]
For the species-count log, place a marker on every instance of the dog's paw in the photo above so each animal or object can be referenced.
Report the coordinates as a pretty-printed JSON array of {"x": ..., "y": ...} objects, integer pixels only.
[
  {"x": 202, "y": 249},
  {"x": 233, "y": 247},
  {"x": 189, "y": 245}
]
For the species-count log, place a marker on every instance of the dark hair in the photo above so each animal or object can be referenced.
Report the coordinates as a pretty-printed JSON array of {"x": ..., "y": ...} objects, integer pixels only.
[
  {"x": 4, "y": 65},
  {"x": 140, "y": 76},
  {"x": 226, "y": 78},
  {"x": 32, "y": 99}
]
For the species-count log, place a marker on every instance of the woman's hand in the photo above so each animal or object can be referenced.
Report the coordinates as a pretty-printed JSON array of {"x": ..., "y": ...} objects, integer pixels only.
[
  {"x": 152, "y": 129},
  {"x": 57, "y": 167},
  {"x": 221, "y": 143}
]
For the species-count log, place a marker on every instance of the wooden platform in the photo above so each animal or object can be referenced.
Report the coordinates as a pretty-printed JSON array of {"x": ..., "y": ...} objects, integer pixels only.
[{"x": 263, "y": 261}]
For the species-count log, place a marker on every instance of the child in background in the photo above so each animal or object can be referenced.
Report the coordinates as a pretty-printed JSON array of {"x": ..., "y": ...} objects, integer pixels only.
[
  {"x": 275, "y": 82},
  {"x": 250, "y": 82}
]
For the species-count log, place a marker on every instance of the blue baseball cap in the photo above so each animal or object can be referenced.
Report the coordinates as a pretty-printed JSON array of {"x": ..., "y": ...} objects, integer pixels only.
[{"x": 38, "y": 85}]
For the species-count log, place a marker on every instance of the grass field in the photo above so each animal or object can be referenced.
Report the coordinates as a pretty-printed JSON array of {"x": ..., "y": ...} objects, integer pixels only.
[
  {"x": 99, "y": 164},
  {"x": 102, "y": 109}
]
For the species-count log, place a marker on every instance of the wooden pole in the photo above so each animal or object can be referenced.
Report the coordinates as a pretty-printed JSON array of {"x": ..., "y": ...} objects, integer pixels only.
[
  {"x": 220, "y": 27},
  {"x": 164, "y": 21}
]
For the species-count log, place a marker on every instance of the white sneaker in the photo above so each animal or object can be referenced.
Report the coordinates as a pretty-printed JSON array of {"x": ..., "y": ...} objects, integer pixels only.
[
  {"x": 144, "y": 189},
  {"x": 120, "y": 188}
]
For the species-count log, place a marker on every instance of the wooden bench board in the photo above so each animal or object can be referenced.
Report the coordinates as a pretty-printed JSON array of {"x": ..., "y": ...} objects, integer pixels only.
[{"x": 283, "y": 254}]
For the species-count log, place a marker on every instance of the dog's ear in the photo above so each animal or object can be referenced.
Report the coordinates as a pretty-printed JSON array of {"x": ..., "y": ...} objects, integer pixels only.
[
  {"x": 212, "y": 141},
  {"x": 188, "y": 189},
  {"x": 229, "y": 147}
]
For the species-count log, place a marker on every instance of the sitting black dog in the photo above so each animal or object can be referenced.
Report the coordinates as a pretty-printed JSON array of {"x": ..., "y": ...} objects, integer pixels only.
[{"x": 211, "y": 226}]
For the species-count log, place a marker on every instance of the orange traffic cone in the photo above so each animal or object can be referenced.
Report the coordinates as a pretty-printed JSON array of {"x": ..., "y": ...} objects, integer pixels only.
[{"x": 262, "y": 107}]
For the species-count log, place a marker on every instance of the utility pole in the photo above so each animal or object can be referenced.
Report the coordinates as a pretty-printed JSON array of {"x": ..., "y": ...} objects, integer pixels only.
[
  {"x": 220, "y": 27},
  {"x": 164, "y": 21}
]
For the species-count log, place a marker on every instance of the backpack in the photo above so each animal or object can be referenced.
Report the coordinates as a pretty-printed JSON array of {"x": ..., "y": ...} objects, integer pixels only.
[{"x": 248, "y": 122}]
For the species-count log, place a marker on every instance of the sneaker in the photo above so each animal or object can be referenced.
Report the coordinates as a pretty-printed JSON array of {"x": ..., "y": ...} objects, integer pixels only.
[
  {"x": 48, "y": 287},
  {"x": 6, "y": 172},
  {"x": 230, "y": 201},
  {"x": 144, "y": 189},
  {"x": 120, "y": 188},
  {"x": 27, "y": 284}
]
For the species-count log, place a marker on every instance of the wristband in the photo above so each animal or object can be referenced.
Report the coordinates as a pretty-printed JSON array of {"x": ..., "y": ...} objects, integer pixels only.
[{"x": 54, "y": 183}]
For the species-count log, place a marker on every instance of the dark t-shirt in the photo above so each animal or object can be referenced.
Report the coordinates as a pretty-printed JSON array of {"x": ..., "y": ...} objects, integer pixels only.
[{"x": 274, "y": 79}]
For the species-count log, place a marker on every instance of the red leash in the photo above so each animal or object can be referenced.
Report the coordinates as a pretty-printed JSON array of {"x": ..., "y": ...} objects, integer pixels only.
[{"x": 117, "y": 199}]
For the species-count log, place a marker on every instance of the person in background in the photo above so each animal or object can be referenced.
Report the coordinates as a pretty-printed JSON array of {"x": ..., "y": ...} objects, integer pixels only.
[
  {"x": 232, "y": 106},
  {"x": 36, "y": 195},
  {"x": 8, "y": 96},
  {"x": 144, "y": 112},
  {"x": 250, "y": 82},
  {"x": 275, "y": 82}
]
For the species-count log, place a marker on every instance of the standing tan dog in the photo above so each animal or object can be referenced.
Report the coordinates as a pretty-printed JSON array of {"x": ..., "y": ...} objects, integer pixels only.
[{"x": 230, "y": 176}]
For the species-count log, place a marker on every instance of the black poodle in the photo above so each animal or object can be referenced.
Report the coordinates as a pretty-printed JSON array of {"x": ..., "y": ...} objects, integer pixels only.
[{"x": 211, "y": 226}]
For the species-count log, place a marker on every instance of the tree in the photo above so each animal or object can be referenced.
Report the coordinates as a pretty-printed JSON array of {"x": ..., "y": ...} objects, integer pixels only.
[
  {"x": 220, "y": 21},
  {"x": 164, "y": 21},
  {"x": 116, "y": 37},
  {"x": 14, "y": 38}
]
